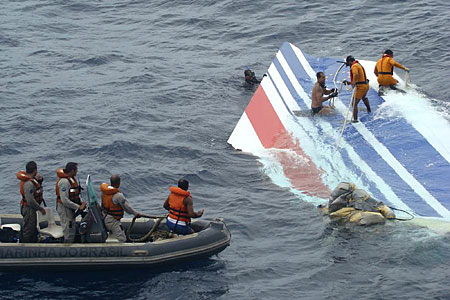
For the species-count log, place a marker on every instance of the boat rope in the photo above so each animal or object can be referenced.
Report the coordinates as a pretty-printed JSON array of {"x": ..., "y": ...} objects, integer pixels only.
[
  {"x": 407, "y": 79},
  {"x": 345, "y": 119},
  {"x": 404, "y": 211},
  {"x": 146, "y": 237}
]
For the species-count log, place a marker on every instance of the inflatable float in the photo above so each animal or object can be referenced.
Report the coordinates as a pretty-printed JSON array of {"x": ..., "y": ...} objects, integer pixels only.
[
  {"x": 152, "y": 244},
  {"x": 211, "y": 238},
  {"x": 399, "y": 153}
]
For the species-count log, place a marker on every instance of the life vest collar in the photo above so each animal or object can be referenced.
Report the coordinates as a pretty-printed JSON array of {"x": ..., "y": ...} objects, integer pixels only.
[
  {"x": 61, "y": 174},
  {"x": 179, "y": 191},
  {"x": 23, "y": 176},
  {"x": 108, "y": 190}
]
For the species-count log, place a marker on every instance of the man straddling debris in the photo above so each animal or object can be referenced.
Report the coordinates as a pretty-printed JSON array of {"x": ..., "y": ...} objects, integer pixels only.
[
  {"x": 114, "y": 204},
  {"x": 32, "y": 196},
  {"x": 68, "y": 199},
  {"x": 317, "y": 97},
  {"x": 181, "y": 208},
  {"x": 359, "y": 81},
  {"x": 384, "y": 69}
]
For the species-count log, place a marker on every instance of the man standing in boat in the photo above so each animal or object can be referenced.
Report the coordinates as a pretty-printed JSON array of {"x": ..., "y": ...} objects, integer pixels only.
[
  {"x": 384, "y": 69},
  {"x": 32, "y": 196},
  {"x": 317, "y": 96},
  {"x": 359, "y": 81},
  {"x": 181, "y": 208},
  {"x": 114, "y": 204},
  {"x": 68, "y": 199}
]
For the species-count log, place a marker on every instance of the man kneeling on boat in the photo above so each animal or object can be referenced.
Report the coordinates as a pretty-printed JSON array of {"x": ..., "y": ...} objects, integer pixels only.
[
  {"x": 114, "y": 204},
  {"x": 181, "y": 208},
  {"x": 317, "y": 97}
]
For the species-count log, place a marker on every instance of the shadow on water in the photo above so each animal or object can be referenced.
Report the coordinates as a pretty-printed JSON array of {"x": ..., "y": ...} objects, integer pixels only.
[{"x": 205, "y": 275}]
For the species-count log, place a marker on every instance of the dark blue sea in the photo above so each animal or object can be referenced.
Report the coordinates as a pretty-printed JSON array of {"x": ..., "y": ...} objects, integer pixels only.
[{"x": 151, "y": 90}]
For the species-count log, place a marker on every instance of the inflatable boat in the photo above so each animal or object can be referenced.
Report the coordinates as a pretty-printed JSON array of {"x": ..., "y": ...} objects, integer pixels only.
[
  {"x": 150, "y": 242},
  {"x": 211, "y": 237},
  {"x": 399, "y": 153}
]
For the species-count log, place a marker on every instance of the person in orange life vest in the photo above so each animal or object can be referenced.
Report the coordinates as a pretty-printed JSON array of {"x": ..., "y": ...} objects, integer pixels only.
[
  {"x": 68, "y": 199},
  {"x": 384, "y": 69},
  {"x": 181, "y": 208},
  {"x": 32, "y": 197},
  {"x": 359, "y": 81},
  {"x": 114, "y": 204}
]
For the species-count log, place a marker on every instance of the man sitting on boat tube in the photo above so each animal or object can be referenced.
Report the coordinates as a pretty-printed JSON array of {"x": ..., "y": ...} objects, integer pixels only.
[
  {"x": 317, "y": 97},
  {"x": 114, "y": 204},
  {"x": 181, "y": 208}
]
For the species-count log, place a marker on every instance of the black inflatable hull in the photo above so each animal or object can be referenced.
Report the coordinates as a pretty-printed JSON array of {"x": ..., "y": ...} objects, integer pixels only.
[{"x": 212, "y": 238}]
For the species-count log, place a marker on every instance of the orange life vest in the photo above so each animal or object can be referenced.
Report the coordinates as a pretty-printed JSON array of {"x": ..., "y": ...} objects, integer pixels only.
[
  {"x": 384, "y": 65},
  {"x": 108, "y": 206},
  {"x": 177, "y": 209},
  {"x": 38, "y": 193},
  {"x": 74, "y": 191},
  {"x": 361, "y": 73},
  {"x": 384, "y": 69}
]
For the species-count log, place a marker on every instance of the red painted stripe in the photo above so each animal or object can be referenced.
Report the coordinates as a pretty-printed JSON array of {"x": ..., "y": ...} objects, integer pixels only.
[{"x": 303, "y": 175}]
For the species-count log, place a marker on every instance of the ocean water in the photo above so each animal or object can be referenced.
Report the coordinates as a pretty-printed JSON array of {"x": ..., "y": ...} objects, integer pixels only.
[{"x": 152, "y": 90}]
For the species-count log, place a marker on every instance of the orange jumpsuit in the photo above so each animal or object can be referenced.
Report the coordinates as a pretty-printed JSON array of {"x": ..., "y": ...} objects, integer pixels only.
[
  {"x": 359, "y": 80},
  {"x": 384, "y": 69}
]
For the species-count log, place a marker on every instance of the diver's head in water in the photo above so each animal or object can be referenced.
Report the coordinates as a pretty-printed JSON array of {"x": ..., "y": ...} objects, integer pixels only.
[
  {"x": 349, "y": 60},
  {"x": 389, "y": 52},
  {"x": 250, "y": 76},
  {"x": 321, "y": 79}
]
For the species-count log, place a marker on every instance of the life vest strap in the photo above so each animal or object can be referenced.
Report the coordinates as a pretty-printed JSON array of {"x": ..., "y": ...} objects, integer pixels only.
[
  {"x": 362, "y": 82},
  {"x": 386, "y": 73},
  {"x": 113, "y": 212},
  {"x": 178, "y": 212}
]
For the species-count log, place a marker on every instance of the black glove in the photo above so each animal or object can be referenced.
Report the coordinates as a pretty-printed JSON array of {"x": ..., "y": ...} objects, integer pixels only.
[
  {"x": 346, "y": 82},
  {"x": 332, "y": 95},
  {"x": 333, "y": 90}
]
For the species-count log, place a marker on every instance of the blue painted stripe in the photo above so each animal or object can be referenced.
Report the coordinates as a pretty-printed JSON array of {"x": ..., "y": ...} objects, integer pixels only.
[
  {"x": 403, "y": 190},
  {"x": 375, "y": 191},
  {"x": 289, "y": 85},
  {"x": 282, "y": 99}
]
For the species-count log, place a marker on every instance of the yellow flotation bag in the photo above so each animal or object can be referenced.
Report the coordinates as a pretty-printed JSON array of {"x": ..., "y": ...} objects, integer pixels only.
[
  {"x": 347, "y": 203},
  {"x": 359, "y": 217}
]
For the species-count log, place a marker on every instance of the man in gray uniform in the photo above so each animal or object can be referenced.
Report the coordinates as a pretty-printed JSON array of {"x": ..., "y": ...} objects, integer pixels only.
[
  {"x": 114, "y": 204},
  {"x": 31, "y": 191},
  {"x": 68, "y": 200}
]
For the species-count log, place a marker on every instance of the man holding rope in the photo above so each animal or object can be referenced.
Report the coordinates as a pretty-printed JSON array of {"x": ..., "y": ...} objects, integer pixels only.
[
  {"x": 359, "y": 81},
  {"x": 114, "y": 204},
  {"x": 317, "y": 97},
  {"x": 384, "y": 70}
]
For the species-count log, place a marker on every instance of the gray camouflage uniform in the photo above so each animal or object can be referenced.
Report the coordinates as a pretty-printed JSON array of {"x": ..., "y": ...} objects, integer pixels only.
[
  {"x": 66, "y": 211},
  {"x": 115, "y": 226},
  {"x": 29, "y": 231}
]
